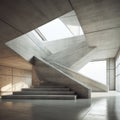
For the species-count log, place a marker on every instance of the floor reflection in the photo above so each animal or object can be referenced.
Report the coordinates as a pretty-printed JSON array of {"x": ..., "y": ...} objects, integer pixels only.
[
  {"x": 105, "y": 108},
  {"x": 99, "y": 108}
]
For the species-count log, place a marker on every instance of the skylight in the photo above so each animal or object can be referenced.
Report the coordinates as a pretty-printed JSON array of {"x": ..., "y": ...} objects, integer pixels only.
[
  {"x": 36, "y": 35},
  {"x": 55, "y": 30},
  {"x": 71, "y": 21},
  {"x": 65, "y": 26}
]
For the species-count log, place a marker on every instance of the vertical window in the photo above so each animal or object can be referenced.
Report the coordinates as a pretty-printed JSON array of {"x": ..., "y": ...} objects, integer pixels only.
[{"x": 95, "y": 70}]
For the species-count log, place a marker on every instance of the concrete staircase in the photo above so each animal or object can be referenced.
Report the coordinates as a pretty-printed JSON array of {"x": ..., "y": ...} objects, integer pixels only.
[
  {"x": 44, "y": 92},
  {"x": 94, "y": 85},
  {"x": 52, "y": 74}
]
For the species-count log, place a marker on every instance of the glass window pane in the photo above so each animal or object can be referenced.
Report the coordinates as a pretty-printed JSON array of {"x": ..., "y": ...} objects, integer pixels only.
[
  {"x": 95, "y": 70},
  {"x": 71, "y": 21}
]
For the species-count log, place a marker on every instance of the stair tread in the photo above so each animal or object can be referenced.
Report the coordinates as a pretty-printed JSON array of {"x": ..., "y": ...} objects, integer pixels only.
[
  {"x": 51, "y": 89},
  {"x": 49, "y": 86},
  {"x": 47, "y": 97},
  {"x": 41, "y": 95},
  {"x": 44, "y": 93}
]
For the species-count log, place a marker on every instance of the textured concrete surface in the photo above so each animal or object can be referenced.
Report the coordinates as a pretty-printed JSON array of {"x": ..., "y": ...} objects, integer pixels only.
[
  {"x": 32, "y": 48},
  {"x": 75, "y": 56},
  {"x": 48, "y": 72},
  {"x": 44, "y": 92},
  {"x": 111, "y": 73},
  {"x": 20, "y": 17},
  {"x": 23, "y": 16},
  {"x": 94, "y": 85},
  {"x": 99, "y": 108},
  {"x": 100, "y": 21},
  {"x": 118, "y": 71},
  {"x": 63, "y": 44}
]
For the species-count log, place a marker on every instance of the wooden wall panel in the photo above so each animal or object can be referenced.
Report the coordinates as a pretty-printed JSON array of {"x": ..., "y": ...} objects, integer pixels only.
[
  {"x": 17, "y": 83},
  {"x": 28, "y": 82},
  {"x": 20, "y": 72},
  {"x": 13, "y": 79},
  {"x": 5, "y": 70},
  {"x": 20, "y": 82},
  {"x": 5, "y": 83}
]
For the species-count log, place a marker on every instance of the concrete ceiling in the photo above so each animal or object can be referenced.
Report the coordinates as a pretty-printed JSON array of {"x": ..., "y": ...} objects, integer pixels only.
[
  {"x": 97, "y": 15},
  {"x": 21, "y": 16},
  {"x": 100, "y": 20}
]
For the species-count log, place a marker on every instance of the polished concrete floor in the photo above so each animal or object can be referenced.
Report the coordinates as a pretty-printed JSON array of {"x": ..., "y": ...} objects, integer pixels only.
[{"x": 100, "y": 107}]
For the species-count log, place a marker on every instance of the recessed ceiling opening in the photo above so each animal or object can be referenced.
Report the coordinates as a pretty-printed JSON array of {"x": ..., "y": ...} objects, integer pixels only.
[{"x": 63, "y": 27}]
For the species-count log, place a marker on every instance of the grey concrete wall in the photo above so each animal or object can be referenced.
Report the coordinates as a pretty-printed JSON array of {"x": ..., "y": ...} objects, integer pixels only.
[
  {"x": 111, "y": 73},
  {"x": 75, "y": 57},
  {"x": 56, "y": 46},
  {"x": 28, "y": 46},
  {"x": 49, "y": 73},
  {"x": 118, "y": 71}
]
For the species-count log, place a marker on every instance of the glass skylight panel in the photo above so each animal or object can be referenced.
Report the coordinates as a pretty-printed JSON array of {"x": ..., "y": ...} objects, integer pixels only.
[
  {"x": 71, "y": 21},
  {"x": 65, "y": 26},
  {"x": 76, "y": 30},
  {"x": 55, "y": 30}
]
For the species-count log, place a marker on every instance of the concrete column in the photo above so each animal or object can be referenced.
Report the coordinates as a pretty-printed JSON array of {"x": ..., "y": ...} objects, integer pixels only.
[
  {"x": 118, "y": 72},
  {"x": 36, "y": 82},
  {"x": 111, "y": 73},
  {"x": 35, "y": 79}
]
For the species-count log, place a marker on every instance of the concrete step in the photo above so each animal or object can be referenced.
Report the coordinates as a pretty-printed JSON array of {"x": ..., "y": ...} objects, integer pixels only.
[
  {"x": 49, "y": 86},
  {"x": 41, "y": 97},
  {"x": 49, "y": 83},
  {"x": 45, "y": 89},
  {"x": 44, "y": 93}
]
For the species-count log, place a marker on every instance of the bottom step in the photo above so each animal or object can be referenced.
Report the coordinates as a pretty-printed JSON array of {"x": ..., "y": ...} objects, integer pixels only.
[{"x": 42, "y": 97}]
